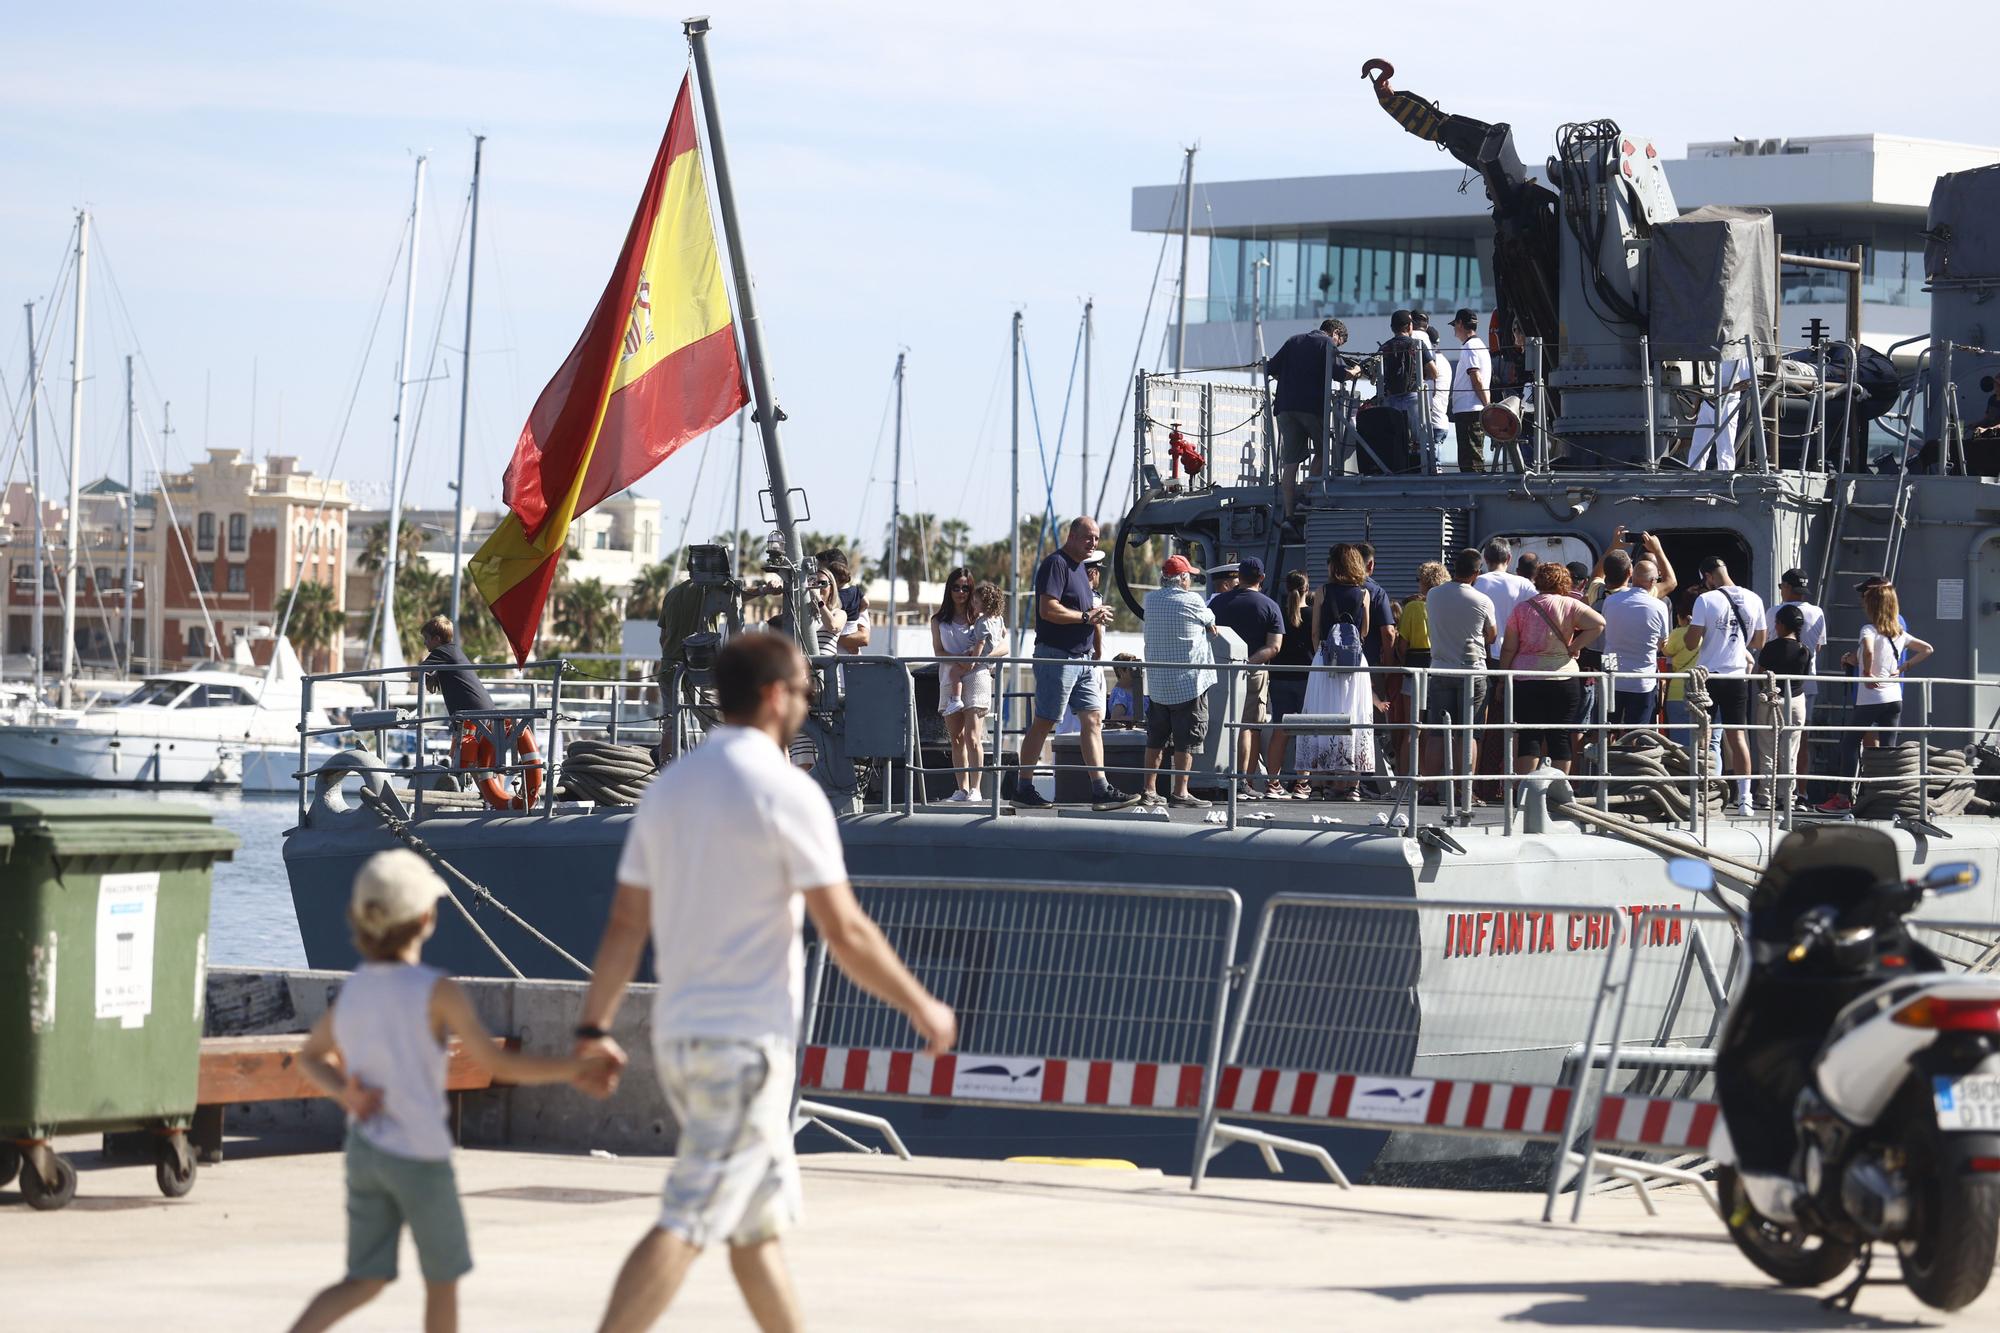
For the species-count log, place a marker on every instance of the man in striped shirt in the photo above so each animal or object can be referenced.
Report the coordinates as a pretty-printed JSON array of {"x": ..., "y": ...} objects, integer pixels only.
[{"x": 1178, "y": 627}]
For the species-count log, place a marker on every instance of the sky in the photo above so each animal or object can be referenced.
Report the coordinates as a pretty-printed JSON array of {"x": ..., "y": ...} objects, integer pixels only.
[{"x": 908, "y": 175}]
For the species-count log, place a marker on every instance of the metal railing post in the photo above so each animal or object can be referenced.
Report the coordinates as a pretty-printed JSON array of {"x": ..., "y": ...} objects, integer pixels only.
[
  {"x": 1646, "y": 383},
  {"x": 549, "y": 754},
  {"x": 305, "y": 742},
  {"x": 1924, "y": 754},
  {"x": 1589, "y": 1167},
  {"x": 1231, "y": 744},
  {"x": 1604, "y": 697},
  {"x": 1573, "y": 1118},
  {"x": 1507, "y": 759}
]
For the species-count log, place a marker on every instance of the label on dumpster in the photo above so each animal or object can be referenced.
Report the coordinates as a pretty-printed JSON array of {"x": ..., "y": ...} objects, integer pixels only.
[
  {"x": 127, "y": 907},
  {"x": 42, "y": 985}
]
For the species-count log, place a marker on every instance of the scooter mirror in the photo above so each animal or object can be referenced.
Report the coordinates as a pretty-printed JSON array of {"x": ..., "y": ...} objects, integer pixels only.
[
  {"x": 1951, "y": 877},
  {"x": 1688, "y": 873}
]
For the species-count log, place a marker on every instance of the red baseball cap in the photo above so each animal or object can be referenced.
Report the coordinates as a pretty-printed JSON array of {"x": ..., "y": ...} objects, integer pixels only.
[{"x": 1176, "y": 566}]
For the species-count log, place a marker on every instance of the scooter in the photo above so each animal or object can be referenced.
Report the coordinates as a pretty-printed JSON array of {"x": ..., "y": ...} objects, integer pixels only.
[{"x": 1859, "y": 1080}]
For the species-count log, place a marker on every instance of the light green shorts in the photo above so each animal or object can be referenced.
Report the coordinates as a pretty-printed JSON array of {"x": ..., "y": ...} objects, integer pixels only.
[{"x": 385, "y": 1191}]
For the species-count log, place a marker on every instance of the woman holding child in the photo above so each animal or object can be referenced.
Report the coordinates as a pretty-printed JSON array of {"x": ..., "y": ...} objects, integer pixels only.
[{"x": 966, "y": 628}]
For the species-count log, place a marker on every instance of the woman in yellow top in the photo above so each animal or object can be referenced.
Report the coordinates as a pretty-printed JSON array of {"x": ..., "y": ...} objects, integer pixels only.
[
  {"x": 1413, "y": 649},
  {"x": 1680, "y": 657}
]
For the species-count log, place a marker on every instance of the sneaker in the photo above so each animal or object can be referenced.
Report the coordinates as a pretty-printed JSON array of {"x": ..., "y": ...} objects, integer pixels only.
[
  {"x": 1025, "y": 797},
  {"x": 1745, "y": 811},
  {"x": 1189, "y": 802},
  {"x": 1110, "y": 798},
  {"x": 1279, "y": 792},
  {"x": 1152, "y": 800},
  {"x": 1835, "y": 805},
  {"x": 959, "y": 797},
  {"x": 1249, "y": 794}
]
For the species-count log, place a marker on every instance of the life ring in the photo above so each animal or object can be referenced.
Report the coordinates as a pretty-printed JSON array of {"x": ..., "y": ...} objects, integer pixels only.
[{"x": 476, "y": 749}]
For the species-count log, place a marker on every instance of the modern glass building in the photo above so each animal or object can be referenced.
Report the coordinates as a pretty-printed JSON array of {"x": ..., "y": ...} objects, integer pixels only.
[{"x": 1294, "y": 251}]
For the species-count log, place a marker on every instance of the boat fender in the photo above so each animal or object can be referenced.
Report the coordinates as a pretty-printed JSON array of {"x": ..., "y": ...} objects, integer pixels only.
[{"x": 330, "y": 807}]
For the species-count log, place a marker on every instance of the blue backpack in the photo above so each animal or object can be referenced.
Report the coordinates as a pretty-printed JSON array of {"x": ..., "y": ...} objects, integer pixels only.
[{"x": 1343, "y": 644}]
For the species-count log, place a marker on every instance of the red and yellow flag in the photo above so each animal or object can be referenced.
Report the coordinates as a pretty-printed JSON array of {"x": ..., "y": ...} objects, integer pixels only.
[{"x": 655, "y": 367}]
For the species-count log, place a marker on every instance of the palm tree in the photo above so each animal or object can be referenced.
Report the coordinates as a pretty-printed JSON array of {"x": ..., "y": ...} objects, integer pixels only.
[
  {"x": 954, "y": 534},
  {"x": 587, "y": 616},
  {"x": 649, "y": 590},
  {"x": 421, "y": 592},
  {"x": 374, "y": 553},
  {"x": 316, "y": 628}
]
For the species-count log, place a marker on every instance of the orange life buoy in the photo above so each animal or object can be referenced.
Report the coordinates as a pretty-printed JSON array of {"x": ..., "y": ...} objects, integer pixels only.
[{"x": 476, "y": 750}]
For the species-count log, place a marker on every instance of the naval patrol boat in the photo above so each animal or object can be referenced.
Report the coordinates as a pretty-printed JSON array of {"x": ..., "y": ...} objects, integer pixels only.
[{"x": 1614, "y": 314}]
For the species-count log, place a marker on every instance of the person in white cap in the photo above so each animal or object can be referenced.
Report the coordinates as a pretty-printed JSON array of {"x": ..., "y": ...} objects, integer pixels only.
[
  {"x": 1178, "y": 628},
  {"x": 380, "y": 1052}
]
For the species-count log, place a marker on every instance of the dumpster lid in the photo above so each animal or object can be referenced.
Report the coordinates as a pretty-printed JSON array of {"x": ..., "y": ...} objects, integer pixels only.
[{"x": 85, "y": 826}]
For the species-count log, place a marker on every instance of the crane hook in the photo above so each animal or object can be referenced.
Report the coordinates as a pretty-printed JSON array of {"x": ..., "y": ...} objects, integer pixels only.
[{"x": 1380, "y": 71}]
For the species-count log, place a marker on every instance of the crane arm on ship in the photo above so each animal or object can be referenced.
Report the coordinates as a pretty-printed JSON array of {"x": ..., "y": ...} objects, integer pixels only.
[{"x": 1526, "y": 243}]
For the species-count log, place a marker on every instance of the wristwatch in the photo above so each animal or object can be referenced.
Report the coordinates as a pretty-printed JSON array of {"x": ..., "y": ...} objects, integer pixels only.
[{"x": 591, "y": 1032}]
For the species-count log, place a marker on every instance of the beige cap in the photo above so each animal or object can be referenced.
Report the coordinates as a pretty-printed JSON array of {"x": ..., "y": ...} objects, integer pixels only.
[{"x": 393, "y": 888}]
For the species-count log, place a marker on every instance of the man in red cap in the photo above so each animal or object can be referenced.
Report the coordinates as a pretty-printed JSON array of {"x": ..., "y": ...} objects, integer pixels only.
[{"x": 1178, "y": 627}]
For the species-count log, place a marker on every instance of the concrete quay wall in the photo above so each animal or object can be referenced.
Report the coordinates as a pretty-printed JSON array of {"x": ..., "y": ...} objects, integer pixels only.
[{"x": 541, "y": 1014}]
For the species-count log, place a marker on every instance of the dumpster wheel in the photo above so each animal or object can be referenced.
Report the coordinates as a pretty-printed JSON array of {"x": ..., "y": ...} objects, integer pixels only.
[
  {"x": 46, "y": 1196},
  {"x": 173, "y": 1165}
]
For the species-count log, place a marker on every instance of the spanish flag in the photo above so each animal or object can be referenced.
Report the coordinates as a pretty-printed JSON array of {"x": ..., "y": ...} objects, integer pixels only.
[{"x": 655, "y": 367}]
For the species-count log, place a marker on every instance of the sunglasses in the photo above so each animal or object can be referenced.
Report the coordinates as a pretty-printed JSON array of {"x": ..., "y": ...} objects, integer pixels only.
[{"x": 961, "y": 587}]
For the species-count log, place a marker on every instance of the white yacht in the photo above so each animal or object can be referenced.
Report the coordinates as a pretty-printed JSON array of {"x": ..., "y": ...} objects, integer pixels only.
[{"x": 208, "y": 727}]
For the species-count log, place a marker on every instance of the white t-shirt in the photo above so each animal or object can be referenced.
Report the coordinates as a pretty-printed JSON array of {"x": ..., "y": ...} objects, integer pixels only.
[
  {"x": 1725, "y": 648},
  {"x": 1441, "y": 392},
  {"x": 1880, "y": 657},
  {"x": 726, "y": 840},
  {"x": 1635, "y": 622},
  {"x": 1473, "y": 356},
  {"x": 1506, "y": 591},
  {"x": 1812, "y": 636}
]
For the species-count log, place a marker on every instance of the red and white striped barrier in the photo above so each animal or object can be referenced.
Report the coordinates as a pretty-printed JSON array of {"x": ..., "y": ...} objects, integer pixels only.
[
  {"x": 1472, "y": 1106},
  {"x": 1109, "y": 1084}
]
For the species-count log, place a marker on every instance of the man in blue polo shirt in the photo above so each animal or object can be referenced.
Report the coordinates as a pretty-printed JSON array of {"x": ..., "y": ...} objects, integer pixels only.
[{"x": 1066, "y": 675}]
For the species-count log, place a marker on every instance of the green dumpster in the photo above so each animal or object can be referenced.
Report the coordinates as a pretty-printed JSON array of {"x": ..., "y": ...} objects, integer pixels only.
[{"x": 103, "y": 968}]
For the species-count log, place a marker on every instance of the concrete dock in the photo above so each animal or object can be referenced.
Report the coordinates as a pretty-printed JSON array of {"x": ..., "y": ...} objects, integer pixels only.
[{"x": 923, "y": 1245}]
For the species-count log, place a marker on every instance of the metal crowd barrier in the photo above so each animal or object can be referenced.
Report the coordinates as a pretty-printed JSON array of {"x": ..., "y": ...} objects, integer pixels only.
[
  {"x": 1069, "y": 997},
  {"x": 1440, "y": 1017}
]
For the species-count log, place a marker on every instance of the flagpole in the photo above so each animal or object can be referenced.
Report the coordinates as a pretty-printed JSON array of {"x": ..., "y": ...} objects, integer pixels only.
[
  {"x": 769, "y": 414},
  {"x": 896, "y": 508},
  {"x": 465, "y": 392}
]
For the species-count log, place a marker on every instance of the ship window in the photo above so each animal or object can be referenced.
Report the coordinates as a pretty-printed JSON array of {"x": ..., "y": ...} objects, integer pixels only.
[
  {"x": 217, "y": 696},
  {"x": 157, "y": 693}
]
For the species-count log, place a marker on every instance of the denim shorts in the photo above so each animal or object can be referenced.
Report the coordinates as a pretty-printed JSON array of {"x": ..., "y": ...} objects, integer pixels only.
[
  {"x": 734, "y": 1176},
  {"x": 384, "y": 1191},
  {"x": 1063, "y": 683}
]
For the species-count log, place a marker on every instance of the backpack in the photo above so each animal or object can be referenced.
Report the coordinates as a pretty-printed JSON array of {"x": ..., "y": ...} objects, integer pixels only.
[{"x": 1343, "y": 644}]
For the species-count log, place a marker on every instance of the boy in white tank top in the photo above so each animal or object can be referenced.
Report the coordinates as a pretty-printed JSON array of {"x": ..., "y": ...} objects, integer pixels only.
[{"x": 381, "y": 1052}]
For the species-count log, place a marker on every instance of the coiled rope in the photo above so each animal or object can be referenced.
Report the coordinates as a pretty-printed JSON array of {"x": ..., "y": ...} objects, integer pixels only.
[{"x": 605, "y": 773}]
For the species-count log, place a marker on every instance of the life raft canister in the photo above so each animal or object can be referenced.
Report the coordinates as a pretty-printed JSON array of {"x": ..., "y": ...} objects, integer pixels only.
[{"x": 476, "y": 749}]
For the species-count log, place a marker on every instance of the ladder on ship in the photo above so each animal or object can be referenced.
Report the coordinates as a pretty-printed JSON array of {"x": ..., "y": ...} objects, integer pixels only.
[{"x": 1871, "y": 513}]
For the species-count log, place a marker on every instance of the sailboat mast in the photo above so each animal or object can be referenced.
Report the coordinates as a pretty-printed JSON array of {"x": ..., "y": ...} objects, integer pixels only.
[
  {"x": 1187, "y": 236},
  {"x": 131, "y": 502},
  {"x": 896, "y": 507},
  {"x": 1014, "y": 489},
  {"x": 769, "y": 414},
  {"x": 391, "y": 644},
  {"x": 465, "y": 391},
  {"x": 70, "y": 536},
  {"x": 35, "y": 632},
  {"x": 1083, "y": 480},
  {"x": 736, "y": 525}
]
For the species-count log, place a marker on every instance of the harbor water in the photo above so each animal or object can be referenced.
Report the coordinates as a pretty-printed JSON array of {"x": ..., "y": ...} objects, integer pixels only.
[{"x": 251, "y": 922}]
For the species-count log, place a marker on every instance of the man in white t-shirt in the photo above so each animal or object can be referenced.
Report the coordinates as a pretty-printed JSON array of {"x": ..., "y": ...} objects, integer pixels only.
[
  {"x": 1726, "y": 632},
  {"x": 1471, "y": 391},
  {"x": 727, "y": 852},
  {"x": 1795, "y": 588},
  {"x": 1635, "y": 624},
  {"x": 1504, "y": 589}
]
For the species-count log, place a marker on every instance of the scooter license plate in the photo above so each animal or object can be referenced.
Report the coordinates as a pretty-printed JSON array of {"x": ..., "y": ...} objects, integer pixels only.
[{"x": 1968, "y": 1101}]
